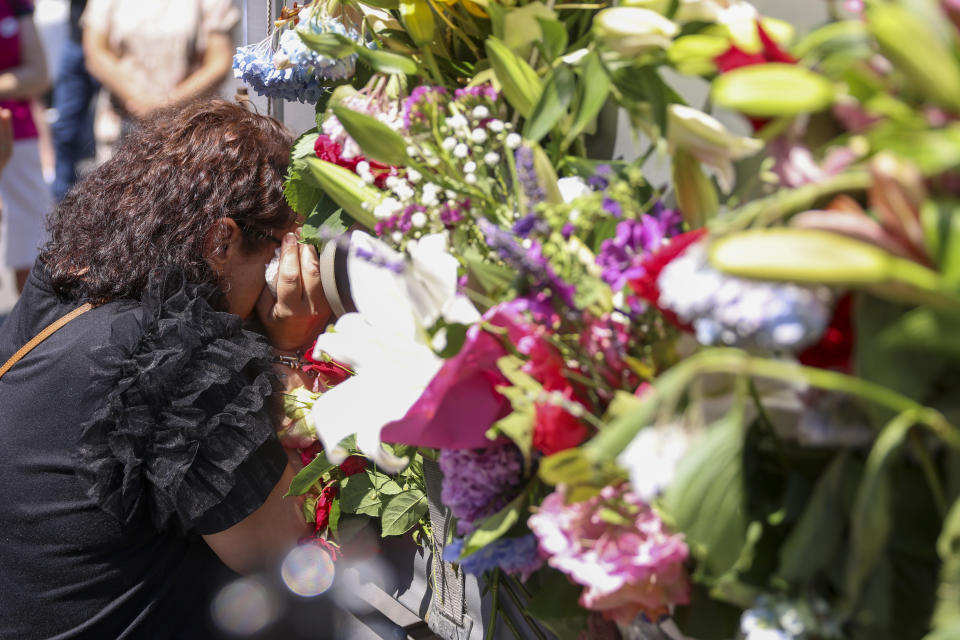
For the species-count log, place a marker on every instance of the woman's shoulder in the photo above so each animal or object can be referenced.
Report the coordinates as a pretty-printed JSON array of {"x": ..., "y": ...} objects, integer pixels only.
[{"x": 184, "y": 392}]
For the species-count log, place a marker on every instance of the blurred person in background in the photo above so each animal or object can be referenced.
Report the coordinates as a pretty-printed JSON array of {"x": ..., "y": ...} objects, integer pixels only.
[
  {"x": 25, "y": 197},
  {"x": 73, "y": 92},
  {"x": 152, "y": 55}
]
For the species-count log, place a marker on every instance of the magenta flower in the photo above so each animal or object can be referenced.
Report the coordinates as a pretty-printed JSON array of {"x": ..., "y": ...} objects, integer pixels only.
[
  {"x": 461, "y": 402},
  {"x": 629, "y": 568}
]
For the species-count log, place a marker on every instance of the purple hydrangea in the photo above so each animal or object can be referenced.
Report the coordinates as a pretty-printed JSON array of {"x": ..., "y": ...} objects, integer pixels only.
[
  {"x": 479, "y": 482},
  {"x": 515, "y": 556},
  {"x": 621, "y": 257},
  {"x": 527, "y": 175}
]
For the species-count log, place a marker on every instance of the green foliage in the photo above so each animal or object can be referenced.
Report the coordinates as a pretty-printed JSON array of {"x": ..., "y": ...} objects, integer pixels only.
[
  {"x": 555, "y": 605},
  {"x": 378, "y": 141},
  {"x": 494, "y": 527},
  {"x": 558, "y": 91},
  {"x": 706, "y": 501},
  {"x": 520, "y": 84},
  {"x": 307, "y": 476},
  {"x": 402, "y": 512}
]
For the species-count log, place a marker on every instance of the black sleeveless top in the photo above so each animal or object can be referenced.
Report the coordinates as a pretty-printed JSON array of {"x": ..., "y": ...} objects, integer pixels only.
[{"x": 126, "y": 435}]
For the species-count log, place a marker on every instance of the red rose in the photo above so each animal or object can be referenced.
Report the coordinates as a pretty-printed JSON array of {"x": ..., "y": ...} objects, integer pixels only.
[
  {"x": 307, "y": 455},
  {"x": 835, "y": 348},
  {"x": 324, "y": 504},
  {"x": 353, "y": 465}
]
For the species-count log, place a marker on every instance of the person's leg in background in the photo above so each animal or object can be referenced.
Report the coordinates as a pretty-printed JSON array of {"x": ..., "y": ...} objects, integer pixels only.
[
  {"x": 73, "y": 93},
  {"x": 26, "y": 203}
]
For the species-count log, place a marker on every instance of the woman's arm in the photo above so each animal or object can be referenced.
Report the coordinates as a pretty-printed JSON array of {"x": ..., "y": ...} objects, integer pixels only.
[
  {"x": 263, "y": 537},
  {"x": 105, "y": 67},
  {"x": 217, "y": 60},
  {"x": 29, "y": 79}
]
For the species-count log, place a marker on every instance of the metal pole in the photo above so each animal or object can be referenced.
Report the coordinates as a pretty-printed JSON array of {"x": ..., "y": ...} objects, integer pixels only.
[{"x": 274, "y": 105}]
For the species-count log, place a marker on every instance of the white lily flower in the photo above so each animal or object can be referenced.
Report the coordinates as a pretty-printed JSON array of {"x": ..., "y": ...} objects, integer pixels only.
[
  {"x": 397, "y": 298},
  {"x": 572, "y": 188},
  {"x": 707, "y": 140}
]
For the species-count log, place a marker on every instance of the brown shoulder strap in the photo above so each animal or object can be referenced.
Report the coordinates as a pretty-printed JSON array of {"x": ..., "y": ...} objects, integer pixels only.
[{"x": 43, "y": 335}]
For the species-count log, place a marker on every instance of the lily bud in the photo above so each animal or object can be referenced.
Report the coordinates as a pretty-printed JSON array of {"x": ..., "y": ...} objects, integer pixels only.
[
  {"x": 417, "y": 17},
  {"x": 631, "y": 31},
  {"x": 896, "y": 195},
  {"x": 707, "y": 140},
  {"x": 696, "y": 196},
  {"x": 660, "y": 6}
]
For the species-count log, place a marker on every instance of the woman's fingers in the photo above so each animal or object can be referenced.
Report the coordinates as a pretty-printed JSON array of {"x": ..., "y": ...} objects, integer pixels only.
[
  {"x": 289, "y": 280},
  {"x": 312, "y": 285}
]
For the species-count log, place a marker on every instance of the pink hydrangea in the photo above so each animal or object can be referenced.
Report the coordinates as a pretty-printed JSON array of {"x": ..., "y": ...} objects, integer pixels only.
[{"x": 618, "y": 548}]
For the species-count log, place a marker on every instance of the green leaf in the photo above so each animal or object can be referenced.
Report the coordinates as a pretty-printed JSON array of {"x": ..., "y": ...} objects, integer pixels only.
[
  {"x": 493, "y": 527},
  {"x": 932, "y": 150},
  {"x": 402, "y": 512},
  {"x": 378, "y": 141},
  {"x": 555, "y": 603},
  {"x": 382, "y": 483},
  {"x": 455, "y": 335},
  {"x": 491, "y": 277},
  {"x": 386, "y": 61},
  {"x": 300, "y": 192},
  {"x": 914, "y": 49},
  {"x": 596, "y": 88},
  {"x": 325, "y": 221},
  {"x": 519, "y": 425},
  {"x": 815, "y": 540},
  {"x": 326, "y": 44},
  {"x": 521, "y": 26},
  {"x": 651, "y": 86},
  {"x": 520, "y": 84},
  {"x": 554, "y": 41},
  {"x": 923, "y": 329},
  {"x": 357, "y": 495},
  {"x": 773, "y": 90},
  {"x": 707, "y": 502},
  {"x": 304, "y": 144},
  {"x": 946, "y": 616},
  {"x": 557, "y": 93},
  {"x": 381, "y": 4},
  {"x": 333, "y": 519},
  {"x": 347, "y": 189},
  {"x": 307, "y": 476},
  {"x": 870, "y": 520}
]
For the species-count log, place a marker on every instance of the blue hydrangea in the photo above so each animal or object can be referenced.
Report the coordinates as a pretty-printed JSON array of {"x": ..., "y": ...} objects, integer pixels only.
[
  {"x": 306, "y": 77},
  {"x": 515, "y": 556},
  {"x": 737, "y": 312}
]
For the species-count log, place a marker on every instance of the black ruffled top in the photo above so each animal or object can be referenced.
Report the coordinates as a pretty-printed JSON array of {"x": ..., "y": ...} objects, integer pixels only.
[
  {"x": 183, "y": 407},
  {"x": 127, "y": 434}
]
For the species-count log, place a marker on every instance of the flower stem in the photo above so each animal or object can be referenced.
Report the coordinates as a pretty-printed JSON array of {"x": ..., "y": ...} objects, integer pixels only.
[
  {"x": 672, "y": 384},
  {"x": 936, "y": 488},
  {"x": 494, "y": 607}
]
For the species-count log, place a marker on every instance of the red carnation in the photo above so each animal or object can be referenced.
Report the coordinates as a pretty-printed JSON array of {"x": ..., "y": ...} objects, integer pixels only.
[
  {"x": 555, "y": 429},
  {"x": 646, "y": 285},
  {"x": 327, "y": 149}
]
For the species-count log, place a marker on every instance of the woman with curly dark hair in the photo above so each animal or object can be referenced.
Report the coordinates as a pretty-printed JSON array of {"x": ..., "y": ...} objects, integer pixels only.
[{"x": 139, "y": 455}]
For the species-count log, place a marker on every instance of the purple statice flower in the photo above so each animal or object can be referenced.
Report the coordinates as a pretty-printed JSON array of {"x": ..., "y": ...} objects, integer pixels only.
[
  {"x": 479, "y": 482},
  {"x": 527, "y": 175},
  {"x": 600, "y": 178},
  {"x": 528, "y": 224},
  {"x": 412, "y": 106},
  {"x": 379, "y": 260},
  {"x": 528, "y": 260},
  {"x": 612, "y": 207},
  {"x": 621, "y": 257},
  {"x": 479, "y": 91},
  {"x": 515, "y": 556}
]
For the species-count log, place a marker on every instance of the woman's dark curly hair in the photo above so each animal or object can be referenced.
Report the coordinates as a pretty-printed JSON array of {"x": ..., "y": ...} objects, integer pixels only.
[{"x": 145, "y": 213}]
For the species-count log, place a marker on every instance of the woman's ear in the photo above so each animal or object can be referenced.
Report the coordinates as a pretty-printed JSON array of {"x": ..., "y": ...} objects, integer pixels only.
[{"x": 221, "y": 242}]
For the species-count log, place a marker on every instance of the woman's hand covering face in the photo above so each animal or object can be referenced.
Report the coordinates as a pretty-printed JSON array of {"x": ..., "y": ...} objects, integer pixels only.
[{"x": 300, "y": 310}]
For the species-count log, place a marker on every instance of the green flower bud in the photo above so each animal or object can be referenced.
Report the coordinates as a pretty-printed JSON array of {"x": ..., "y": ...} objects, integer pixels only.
[{"x": 630, "y": 31}]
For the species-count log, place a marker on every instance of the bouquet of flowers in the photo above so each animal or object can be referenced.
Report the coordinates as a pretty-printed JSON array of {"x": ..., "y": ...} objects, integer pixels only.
[{"x": 727, "y": 399}]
